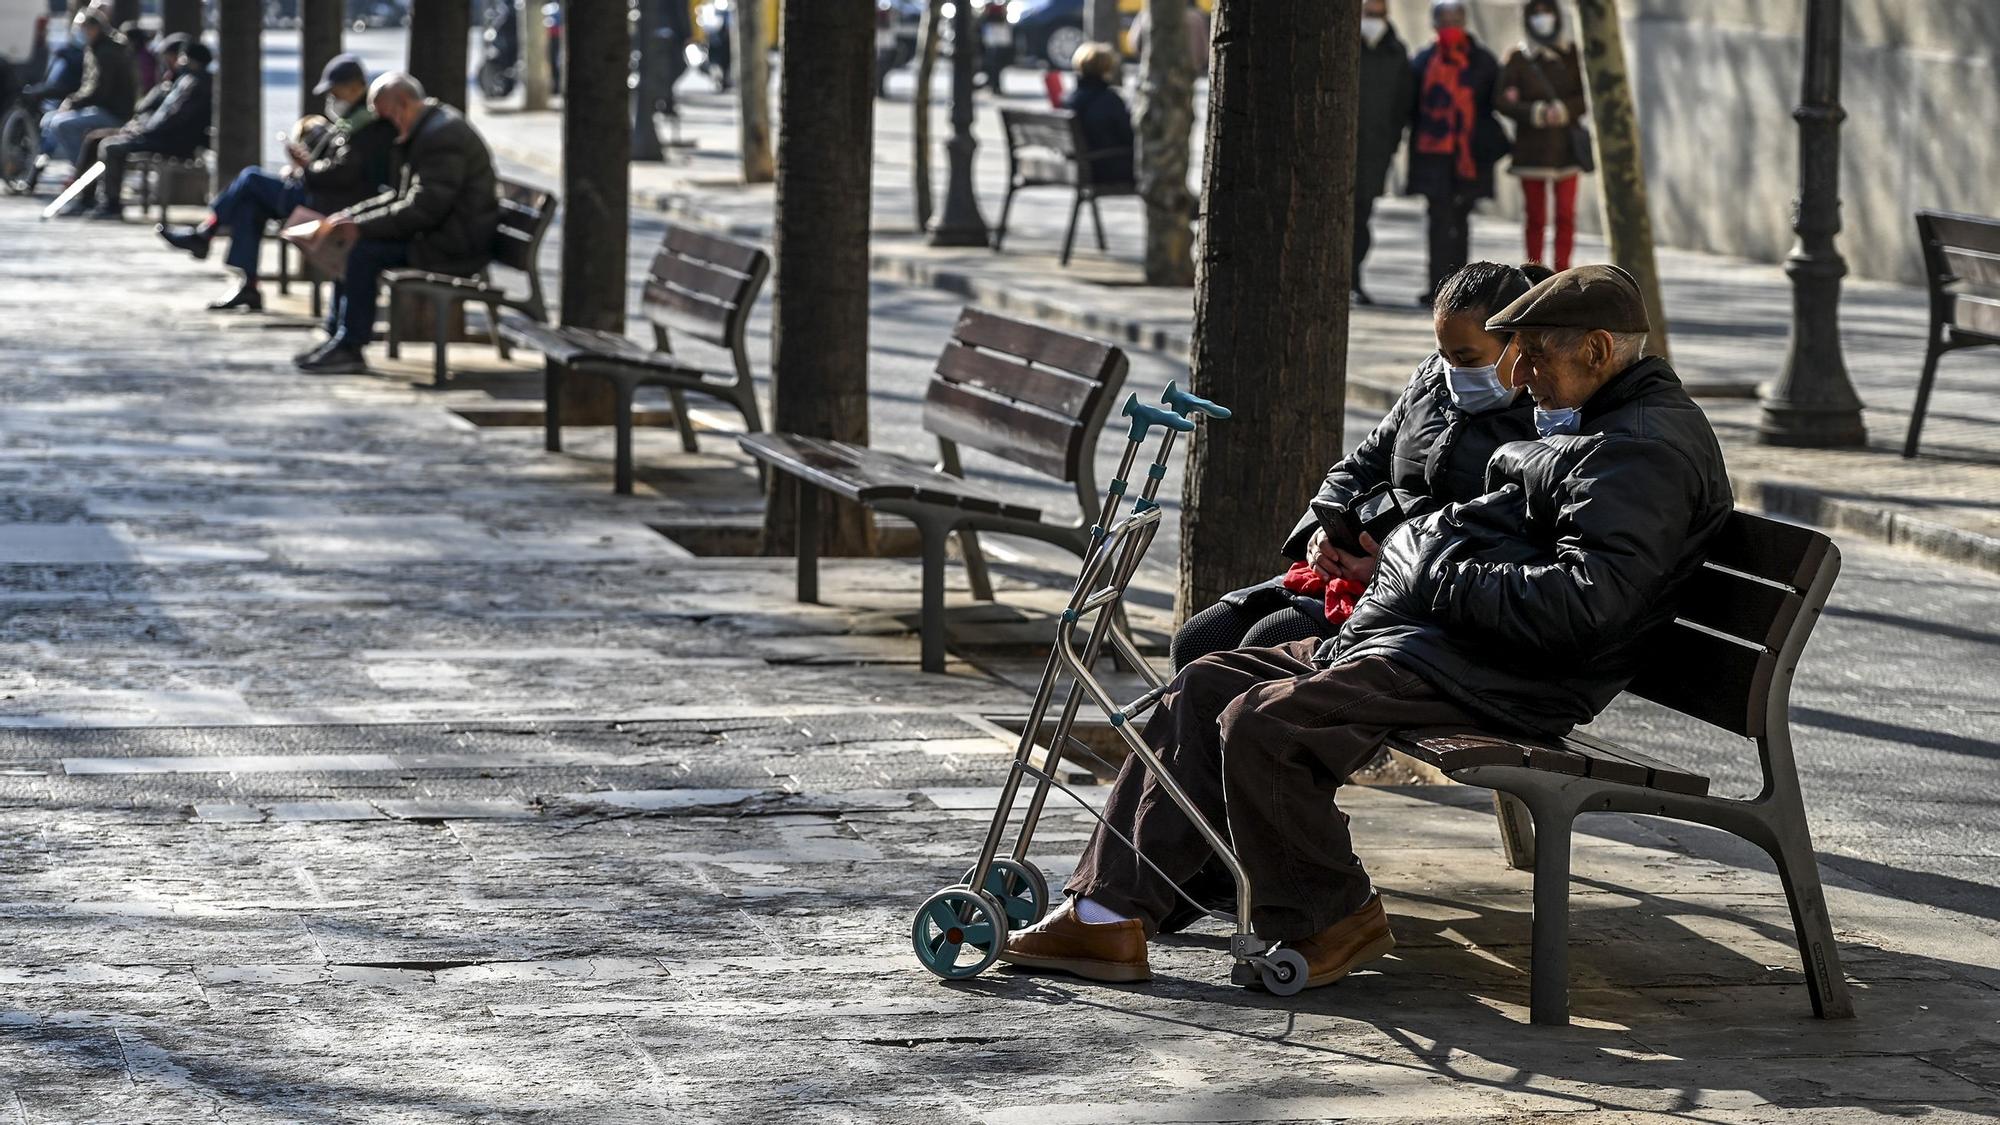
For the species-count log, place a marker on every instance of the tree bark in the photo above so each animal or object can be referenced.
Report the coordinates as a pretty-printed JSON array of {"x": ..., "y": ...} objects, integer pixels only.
[
  {"x": 650, "y": 87},
  {"x": 321, "y": 26},
  {"x": 239, "y": 88},
  {"x": 819, "y": 331},
  {"x": 597, "y": 107},
  {"x": 535, "y": 83},
  {"x": 1270, "y": 312},
  {"x": 440, "y": 33},
  {"x": 920, "y": 110},
  {"x": 183, "y": 16},
  {"x": 753, "y": 93},
  {"x": 1621, "y": 161},
  {"x": 1166, "y": 118},
  {"x": 1100, "y": 21}
]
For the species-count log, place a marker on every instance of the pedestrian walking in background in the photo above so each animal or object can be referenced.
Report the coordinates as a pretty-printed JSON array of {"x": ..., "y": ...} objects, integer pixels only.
[
  {"x": 1541, "y": 88},
  {"x": 1455, "y": 140},
  {"x": 1387, "y": 89},
  {"x": 1102, "y": 113}
]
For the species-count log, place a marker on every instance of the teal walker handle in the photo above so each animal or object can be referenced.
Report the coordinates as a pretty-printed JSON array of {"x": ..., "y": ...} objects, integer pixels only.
[
  {"x": 1146, "y": 417},
  {"x": 1184, "y": 403}
]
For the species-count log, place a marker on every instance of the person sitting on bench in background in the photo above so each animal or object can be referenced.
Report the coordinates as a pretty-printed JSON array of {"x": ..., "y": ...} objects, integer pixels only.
[
  {"x": 168, "y": 59},
  {"x": 1461, "y": 404},
  {"x": 105, "y": 98},
  {"x": 348, "y": 163},
  {"x": 1525, "y": 610},
  {"x": 1102, "y": 114},
  {"x": 176, "y": 126},
  {"x": 442, "y": 215}
]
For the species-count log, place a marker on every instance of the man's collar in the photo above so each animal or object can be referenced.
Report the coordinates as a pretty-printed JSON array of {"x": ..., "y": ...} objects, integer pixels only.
[{"x": 1628, "y": 384}]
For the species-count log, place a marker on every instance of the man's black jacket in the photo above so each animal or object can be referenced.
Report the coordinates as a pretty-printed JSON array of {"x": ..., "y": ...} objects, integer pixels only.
[
  {"x": 179, "y": 126},
  {"x": 1533, "y": 604},
  {"x": 110, "y": 82},
  {"x": 447, "y": 201},
  {"x": 355, "y": 165}
]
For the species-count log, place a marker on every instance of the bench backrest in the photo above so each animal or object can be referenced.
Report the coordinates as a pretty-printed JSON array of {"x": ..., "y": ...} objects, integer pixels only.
[
  {"x": 1025, "y": 393},
  {"x": 1744, "y": 618},
  {"x": 525, "y": 215},
  {"x": 1043, "y": 146},
  {"x": 704, "y": 285},
  {"x": 1962, "y": 252}
]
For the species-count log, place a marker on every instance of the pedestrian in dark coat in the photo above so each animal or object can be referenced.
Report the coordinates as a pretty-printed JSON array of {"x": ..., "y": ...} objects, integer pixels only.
[
  {"x": 1102, "y": 115},
  {"x": 1455, "y": 139},
  {"x": 1541, "y": 88},
  {"x": 1431, "y": 448},
  {"x": 1387, "y": 90},
  {"x": 103, "y": 100},
  {"x": 177, "y": 129}
]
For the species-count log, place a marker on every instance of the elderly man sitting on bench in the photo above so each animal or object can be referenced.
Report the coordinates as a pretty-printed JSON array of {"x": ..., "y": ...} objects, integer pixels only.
[{"x": 1522, "y": 610}]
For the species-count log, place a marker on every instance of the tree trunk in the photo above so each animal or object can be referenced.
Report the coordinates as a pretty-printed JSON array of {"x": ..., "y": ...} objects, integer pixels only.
[
  {"x": 1270, "y": 304},
  {"x": 534, "y": 55},
  {"x": 239, "y": 88},
  {"x": 650, "y": 85},
  {"x": 1100, "y": 21},
  {"x": 1621, "y": 161},
  {"x": 920, "y": 110},
  {"x": 597, "y": 192},
  {"x": 183, "y": 16},
  {"x": 819, "y": 329},
  {"x": 440, "y": 34},
  {"x": 753, "y": 92},
  {"x": 321, "y": 25},
  {"x": 124, "y": 12},
  {"x": 1166, "y": 117}
]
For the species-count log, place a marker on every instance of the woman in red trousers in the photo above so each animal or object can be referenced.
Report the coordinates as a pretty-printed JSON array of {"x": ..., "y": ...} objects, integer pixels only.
[{"x": 1541, "y": 88}]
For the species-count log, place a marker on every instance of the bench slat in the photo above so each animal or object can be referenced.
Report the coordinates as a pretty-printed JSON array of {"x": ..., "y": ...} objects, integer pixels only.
[
  {"x": 1078, "y": 355},
  {"x": 1969, "y": 232},
  {"x": 725, "y": 252},
  {"x": 867, "y": 475},
  {"x": 1711, "y": 678},
  {"x": 1752, "y": 611},
  {"x": 1980, "y": 268},
  {"x": 699, "y": 278},
  {"x": 1657, "y": 774},
  {"x": 686, "y": 312},
  {"x": 1777, "y": 552},
  {"x": 1021, "y": 434},
  {"x": 1579, "y": 755},
  {"x": 1975, "y": 315},
  {"x": 1057, "y": 390}
]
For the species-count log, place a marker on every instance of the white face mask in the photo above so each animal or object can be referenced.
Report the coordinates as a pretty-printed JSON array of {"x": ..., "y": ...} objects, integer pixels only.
[
  {"x": 1476, "y": 390},
  {"x": 1542, "y": 25},
  {"x": 1373, "y": 29}
]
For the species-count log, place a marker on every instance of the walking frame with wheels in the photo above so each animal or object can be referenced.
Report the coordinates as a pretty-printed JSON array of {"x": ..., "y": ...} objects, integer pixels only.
[{"x": 959, "y": 931}]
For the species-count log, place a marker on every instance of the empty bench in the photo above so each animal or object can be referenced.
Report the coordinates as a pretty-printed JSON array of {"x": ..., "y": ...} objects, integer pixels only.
[
  {"x": 1728, "y": 662},
  {"x": 1962, "y": 270},
  {"x": 1028, "y": 394},
  {"x": 701, "y": 285},
  {"x": 525, "y": 215},
  {"x": 1045, "y": 148}
]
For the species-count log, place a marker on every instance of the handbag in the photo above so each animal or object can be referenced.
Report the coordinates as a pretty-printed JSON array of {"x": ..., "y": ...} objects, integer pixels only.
[{"x": 1579, "y": 135}]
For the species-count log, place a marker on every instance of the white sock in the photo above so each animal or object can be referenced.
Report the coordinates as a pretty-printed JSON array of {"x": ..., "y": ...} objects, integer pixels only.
[{"x": 1096, "y": 913}]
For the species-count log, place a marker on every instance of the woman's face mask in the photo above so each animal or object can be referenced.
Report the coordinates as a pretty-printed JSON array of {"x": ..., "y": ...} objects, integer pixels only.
[
  {"x": 1476, "y": 390},
  {"x": 1372, "y": 29},
  {"x": 337, "y": 108},
  {"x": 1542, "y": 25}
]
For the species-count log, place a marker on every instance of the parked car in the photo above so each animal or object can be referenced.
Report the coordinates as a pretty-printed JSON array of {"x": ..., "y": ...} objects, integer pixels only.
[{"x": 1048, "y": 32}]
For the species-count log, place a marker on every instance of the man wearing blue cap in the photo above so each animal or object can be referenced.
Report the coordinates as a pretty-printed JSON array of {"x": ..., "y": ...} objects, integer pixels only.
[{"x": 334, "y": 165}]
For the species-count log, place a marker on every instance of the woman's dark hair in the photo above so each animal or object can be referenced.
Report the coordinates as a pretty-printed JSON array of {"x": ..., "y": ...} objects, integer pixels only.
[{"x": 1484, "y": 288}]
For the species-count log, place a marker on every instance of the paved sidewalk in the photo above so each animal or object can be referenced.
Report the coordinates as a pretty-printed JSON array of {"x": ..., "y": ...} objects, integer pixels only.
[{"x": 1728, "y": 317}]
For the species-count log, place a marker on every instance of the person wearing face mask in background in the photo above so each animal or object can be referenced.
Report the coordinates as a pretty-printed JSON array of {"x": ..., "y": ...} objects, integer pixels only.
[
  {"x": 1455, "y": 140},
  {"x": 1384, "y": 113},
  {"x": 1541, "y": 88},
  {"x": 342, "y": 162},
  {"x": 1431, "y": 447}
]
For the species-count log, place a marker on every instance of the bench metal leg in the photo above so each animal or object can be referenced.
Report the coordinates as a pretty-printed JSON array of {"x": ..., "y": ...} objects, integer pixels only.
[
  {"x": 551, "y": 406},
  {"x": 1792, "y": 851},
  {"x": 394, "y": 338},
  {"x": 284, "y": 267},
  {"x": 808, "y": 547},
  {"x": 682, "y": 422},
  {"x": 1517, "y": 830},
  {"x": 1548, "y": 987},
  {"x": 1006, "y": 209},
  {"x": 622, "y": 458},
  {"x": 441, "y": 340},
  {"x": 500, "y": 343},
  {"x": 1069, "y": 239},
  {"x": 318, "y": 309},
  {"x": 975, "y": 564},
  {"x": 931, "y": 625},
  {"x": 1931, "y": 356},
  {"x": 1097, "y": 221}
]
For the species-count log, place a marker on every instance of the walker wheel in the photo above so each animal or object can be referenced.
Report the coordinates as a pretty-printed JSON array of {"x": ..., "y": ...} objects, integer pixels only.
[
  {"x": 958, "y": 933},
  {"x": 1018, "y": 887},
  {"x": 1282, "y": 972}
]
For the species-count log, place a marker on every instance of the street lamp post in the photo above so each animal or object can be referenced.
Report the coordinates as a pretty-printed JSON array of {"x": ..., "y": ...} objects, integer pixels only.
[
  {"x": 646, "y": 33},
  {"x": 961, "y": 224},
  {"x": 1812, "y": 403}
]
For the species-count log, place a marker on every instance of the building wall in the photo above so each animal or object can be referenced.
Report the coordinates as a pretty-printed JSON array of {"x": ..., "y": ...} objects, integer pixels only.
[{"x": 1716, "y": 82}]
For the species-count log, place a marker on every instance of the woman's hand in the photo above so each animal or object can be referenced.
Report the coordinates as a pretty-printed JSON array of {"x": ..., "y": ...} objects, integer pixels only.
[{"x": 1332, "y": 563}]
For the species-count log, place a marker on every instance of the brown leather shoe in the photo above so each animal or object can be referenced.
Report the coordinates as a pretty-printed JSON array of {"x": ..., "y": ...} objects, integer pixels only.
[
  {"x": 1113, "y": 952},
  {"x": 1346, "y": 945}
]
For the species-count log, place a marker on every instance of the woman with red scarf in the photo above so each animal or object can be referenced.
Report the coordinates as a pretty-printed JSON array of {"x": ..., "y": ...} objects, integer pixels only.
[{"x": 1455, "y": 140}]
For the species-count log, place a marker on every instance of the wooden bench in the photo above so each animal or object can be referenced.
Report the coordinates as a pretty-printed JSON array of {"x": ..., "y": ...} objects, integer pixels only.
[
  {"x": 1028, "y": 394},
  {"x": 1045, "y": 148},
  {"x": 701, "y": 285},
  {"x": 525, "y": 215},
  {"x": 1962, "y": 267},
  {"x": 170, "y": 181},
  {"x": 1728, "y": 662}
]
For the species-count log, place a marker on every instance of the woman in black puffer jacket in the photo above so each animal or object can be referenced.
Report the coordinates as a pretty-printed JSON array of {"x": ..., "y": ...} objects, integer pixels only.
[{"x": 1431, "y": 448}]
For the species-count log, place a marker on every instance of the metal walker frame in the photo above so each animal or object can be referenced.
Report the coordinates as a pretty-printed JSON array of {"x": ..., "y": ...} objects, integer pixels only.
[{"x": 1010, "y": 891}]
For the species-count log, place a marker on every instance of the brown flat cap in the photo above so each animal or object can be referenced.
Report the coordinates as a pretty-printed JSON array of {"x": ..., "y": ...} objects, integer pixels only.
[{"x": 1598, "y": 296}]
